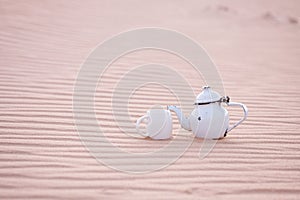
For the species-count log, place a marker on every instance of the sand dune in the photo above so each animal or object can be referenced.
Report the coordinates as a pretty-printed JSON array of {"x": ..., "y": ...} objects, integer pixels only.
[{"x": 255, "y": 45}]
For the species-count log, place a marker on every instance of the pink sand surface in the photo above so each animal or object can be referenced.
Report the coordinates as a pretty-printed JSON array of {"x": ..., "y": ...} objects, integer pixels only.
[{"x": 255, "y": 45}]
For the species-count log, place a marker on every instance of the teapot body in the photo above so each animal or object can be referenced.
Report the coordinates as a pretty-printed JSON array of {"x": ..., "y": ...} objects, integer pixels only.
[{"x": 209, "y": 121}]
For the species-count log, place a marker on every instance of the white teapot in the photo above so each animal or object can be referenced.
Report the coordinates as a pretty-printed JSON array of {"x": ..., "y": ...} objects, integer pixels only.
[{"x": 209, "y": 119}]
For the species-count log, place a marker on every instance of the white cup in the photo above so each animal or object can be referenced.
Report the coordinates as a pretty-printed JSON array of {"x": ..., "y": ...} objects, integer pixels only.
[{"x": 158, "y": 124}]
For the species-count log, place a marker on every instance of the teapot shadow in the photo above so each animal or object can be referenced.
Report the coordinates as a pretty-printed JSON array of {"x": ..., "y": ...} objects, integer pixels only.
[{"x": 151, "y": 139}]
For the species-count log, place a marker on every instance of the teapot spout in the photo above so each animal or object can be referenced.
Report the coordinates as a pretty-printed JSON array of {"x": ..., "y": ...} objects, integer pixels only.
[{"x": 184, "y": 121}]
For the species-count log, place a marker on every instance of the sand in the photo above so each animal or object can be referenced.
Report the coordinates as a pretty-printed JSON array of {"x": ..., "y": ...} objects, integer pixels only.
[{"x": 255, "y": 46}]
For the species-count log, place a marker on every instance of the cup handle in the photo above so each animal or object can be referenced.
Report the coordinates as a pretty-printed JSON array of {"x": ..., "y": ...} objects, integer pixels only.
[
  {"x": 245, "y": 109},
  {"x": 137, "y": 125}
]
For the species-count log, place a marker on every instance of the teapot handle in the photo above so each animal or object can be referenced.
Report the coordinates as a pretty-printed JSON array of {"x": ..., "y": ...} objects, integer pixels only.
[
  {"x": 137, "y": 125},
  {"x": 245, "y": 109}
]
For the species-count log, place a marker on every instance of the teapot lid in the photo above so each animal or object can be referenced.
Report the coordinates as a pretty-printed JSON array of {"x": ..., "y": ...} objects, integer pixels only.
[{"x": 208, "y": 96}]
